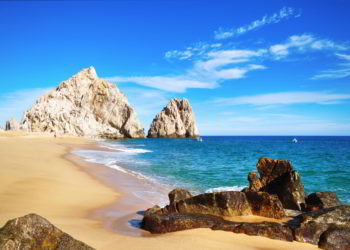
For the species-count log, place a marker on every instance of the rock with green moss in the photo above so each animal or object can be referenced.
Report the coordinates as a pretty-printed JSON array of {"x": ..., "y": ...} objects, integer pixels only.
[{"x": 35, "y": 232}]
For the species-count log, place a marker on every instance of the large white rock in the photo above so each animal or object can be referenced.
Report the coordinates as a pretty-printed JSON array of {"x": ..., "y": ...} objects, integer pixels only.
[
  {"x": 176, "y": 120},
  {"x": 12, "y": 124},
  {"x": 84, "y": 105}
]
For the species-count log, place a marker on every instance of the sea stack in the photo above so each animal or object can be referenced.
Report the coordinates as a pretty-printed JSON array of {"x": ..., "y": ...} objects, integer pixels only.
[
  {"x": 84, "y": 105},
  {"x": 176, "y": 120}
]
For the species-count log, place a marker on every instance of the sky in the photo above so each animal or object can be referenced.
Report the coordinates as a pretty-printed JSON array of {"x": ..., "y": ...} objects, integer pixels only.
[{"x": 249, "y": 68}]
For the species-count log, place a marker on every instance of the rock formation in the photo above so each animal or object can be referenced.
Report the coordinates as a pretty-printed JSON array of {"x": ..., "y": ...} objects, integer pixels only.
[
  {"x": 328, "y": 226},
  {"x": 84, "y": 105},
  {"x": 12, "y": 124},
  {"x": 278, "y": 177},
  {"x": 176, "y": 120},
  {"x": 34, "y": 232}
]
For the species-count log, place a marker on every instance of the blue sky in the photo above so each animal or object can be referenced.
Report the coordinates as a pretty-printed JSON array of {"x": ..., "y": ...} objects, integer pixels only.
[{"x": 252, "y": 68}]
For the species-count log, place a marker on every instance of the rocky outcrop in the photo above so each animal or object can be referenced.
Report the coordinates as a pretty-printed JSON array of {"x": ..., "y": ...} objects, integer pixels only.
[
  {"x": 176, "y": 120},
  {"x": 84, "y": 105},
  {"x": 272, "y": 230},
  {"x": 308, "y": 227},
  {"x": 335, "y": 238},
  {"x": 320, "y": 200},
  {"x": 278, "y": 177},
  {"x": 12, "y": 124},
  {"x": 277, "y": 187},
  {"x": 34, "y": 232}
]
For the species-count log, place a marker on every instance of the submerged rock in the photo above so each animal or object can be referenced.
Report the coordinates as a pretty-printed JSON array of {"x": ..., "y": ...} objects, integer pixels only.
[
  {"x": 84, "y": 105},
  {"x": 320, "y": 200},
  {"x": 278, "y": 177},
  {"x": 176, "y": 120},
  {"x": 34, "y": 232}
]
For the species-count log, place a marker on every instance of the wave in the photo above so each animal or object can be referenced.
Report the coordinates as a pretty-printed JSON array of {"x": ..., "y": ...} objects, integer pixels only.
[
  {"x": 123, "y": 149},
  {"x": 223, "y": 189}
]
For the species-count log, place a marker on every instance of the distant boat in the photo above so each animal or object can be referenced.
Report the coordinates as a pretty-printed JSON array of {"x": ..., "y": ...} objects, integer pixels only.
[
  {"x": 199, "y": 139},
  {"x": 295, "y": 140}
]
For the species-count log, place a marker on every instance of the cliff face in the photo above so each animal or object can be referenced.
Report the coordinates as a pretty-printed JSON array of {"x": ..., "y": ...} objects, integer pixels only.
[
  {"x": 176, "y": 120},
  {"x": 84, "y": 105}
]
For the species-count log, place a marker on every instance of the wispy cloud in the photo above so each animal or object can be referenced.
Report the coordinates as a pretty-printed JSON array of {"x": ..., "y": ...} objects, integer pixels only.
[
  {"x": 283, "y": 14},
  {"x": 195, "y": 50},
  {"x": 343, "y": 71},
  {"x": 176, "y": 84},
  {"x": 14, "y": 104},
  {"x": 284, "y": 98},
  {"x": 207, "y": 72},
  {"x": 304, "y": 43}
]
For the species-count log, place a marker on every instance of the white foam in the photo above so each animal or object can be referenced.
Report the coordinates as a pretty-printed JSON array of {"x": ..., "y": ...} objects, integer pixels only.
[
  {"x": 223, "y": 189},
  {"x": 116, "y": 167},
  {"x": 123, "y": 149}
]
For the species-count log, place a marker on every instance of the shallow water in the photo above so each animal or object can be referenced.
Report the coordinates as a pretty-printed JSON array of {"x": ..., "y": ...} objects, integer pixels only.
[{"x": 222, "y": 163}]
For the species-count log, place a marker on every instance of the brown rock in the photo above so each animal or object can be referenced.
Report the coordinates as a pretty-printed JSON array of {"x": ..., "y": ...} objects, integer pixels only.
[
  {"x": 165, "y": 223},
  {"x": 264, "y": 204},
  {"x": 270, "y": 230},
  {"x": 229, "y": 203},
  {"x": 34, "y": 232},
  {"x": 320, "y": 200},
  {"x": 277, "y": 177},
  {"x": 335, "y": 238},
  {"x": 178, "y": 194}
]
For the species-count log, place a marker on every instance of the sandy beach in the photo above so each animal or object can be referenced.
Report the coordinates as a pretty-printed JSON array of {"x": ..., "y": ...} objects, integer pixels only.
[{"x": 38, "y": 176}]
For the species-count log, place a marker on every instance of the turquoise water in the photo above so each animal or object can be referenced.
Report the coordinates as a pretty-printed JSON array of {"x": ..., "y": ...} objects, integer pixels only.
[{"x": 223, "y": 163}]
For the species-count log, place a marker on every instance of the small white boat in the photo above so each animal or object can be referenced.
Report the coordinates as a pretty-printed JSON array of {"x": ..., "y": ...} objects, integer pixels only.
[
  {"x": 199, "y": 139},
  {"x": 295, "y": 140}
]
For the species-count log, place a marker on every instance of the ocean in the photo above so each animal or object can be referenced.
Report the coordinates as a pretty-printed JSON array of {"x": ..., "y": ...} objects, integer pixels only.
[{"x": 218, "y": 163}]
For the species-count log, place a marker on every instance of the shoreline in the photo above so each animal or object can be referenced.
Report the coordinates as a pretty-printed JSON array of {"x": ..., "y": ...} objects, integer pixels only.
[{"x": 37, "y": 178}]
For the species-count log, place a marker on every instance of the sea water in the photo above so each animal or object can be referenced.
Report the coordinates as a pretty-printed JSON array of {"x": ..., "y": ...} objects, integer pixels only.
[{"x": 218, "y": 163}]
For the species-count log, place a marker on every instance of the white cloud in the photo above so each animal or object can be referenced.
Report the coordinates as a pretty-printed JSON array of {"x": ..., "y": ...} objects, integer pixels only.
[
  {"x": 343, "y": 56},
  {"x": 176, "y": 84},
  {"x": 194, "y": 50},
  {"x": 284, "y": 98},
  {"x": 342, "y": 72},
  {"x": 206, "y": 73},
  {"x": 14, "y": 104},
  {"x": 284, "y": 13},
  {"x": 303, "y": 43}
]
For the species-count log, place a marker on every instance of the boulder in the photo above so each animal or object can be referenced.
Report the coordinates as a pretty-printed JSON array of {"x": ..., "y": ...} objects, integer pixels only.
[
  {"x": 34, "y": 232},
  {"x": 278, "y": 177},
  {"x": 308, "y": 227},
  {"x": 178, "y": 194},
  {"x": 230, "y": 203},
  {"x": 176, "y": 120},
  {"x": 84, "y": 105},
  {"x": 264, "y": 204},
  {"x": 165, "y": 223},
  {"x": 270, "y": 230},
  {"x": 12, "y": 124},
  {"x": 335, "y": 238},
  {"x": 320, "y": 200}
]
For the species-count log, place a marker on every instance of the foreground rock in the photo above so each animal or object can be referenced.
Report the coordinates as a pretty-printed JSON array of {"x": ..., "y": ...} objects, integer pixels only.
[
  {"x": 335, "y": 237},
  {"x": 34, "y": 232},
  {"x": 84, "y": 105},
  {"x": 309, "y": 227},
  {"x": 176, "y": 120},
  {"x": 278, "y": 177}
]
